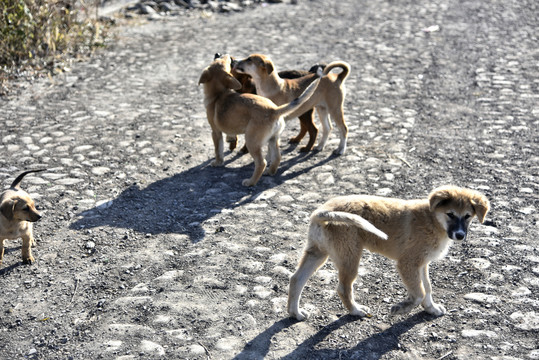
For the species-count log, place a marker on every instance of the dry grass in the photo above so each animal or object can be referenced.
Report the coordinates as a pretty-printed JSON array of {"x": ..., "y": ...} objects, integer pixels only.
[{"x": 36, "y": 35}]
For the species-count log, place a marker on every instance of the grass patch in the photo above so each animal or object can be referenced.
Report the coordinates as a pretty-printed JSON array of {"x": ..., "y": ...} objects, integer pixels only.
[{"x": 36, "y": 35}]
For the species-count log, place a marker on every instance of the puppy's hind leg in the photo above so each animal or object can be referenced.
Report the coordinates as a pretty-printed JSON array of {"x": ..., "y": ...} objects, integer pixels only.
[
  {"x": 338, "y": 117},
  {"x": 326, "y": 126},
  {"x": 411, "y": 277},
  {"x": 347, "y": 267},
  {"x": 428, "y": 304},
  {"x": 312, "y": 259},
  {"x": 260, "y": 165},
  {"x": 274, "y": 153}
]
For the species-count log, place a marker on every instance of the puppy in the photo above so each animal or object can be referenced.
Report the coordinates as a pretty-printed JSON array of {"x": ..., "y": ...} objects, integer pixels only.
[
  {"x": 255, "y": 116},
  {"x": 328, "y": 98},
  {"x": 306, "y": 119},
  {"x": 17, "y": 213},
  {"x": 412, "y": 232}
]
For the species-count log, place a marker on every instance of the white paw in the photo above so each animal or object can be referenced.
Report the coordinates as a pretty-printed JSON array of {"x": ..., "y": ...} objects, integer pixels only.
[
  {"x": 247, "y": 182},
  {"x": 216, "y": 163},
  {"x": 299, "y": 314},
  {"x": 359, "y": 310},
  {"x": 436, "y": 310}
]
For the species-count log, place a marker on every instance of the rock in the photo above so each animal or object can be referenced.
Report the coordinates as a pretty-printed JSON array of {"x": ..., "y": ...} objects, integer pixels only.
[
  {"x": 481, "y": 298},
  {"x": 526, "y": 321}
]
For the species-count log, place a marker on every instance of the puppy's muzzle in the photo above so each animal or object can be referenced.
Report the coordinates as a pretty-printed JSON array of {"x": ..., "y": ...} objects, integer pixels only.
[
  {"x": 458, "y": 235},
  {"x": 35, "y": 216}
]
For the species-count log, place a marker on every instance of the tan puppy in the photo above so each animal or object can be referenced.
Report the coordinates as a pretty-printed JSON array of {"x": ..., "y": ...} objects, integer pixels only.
[
  {"x": 412, "y": 232},
  {"x": 255, "y": 116},
  {"x": 328, "y": 98},
  {"x": 17, "y": 213}
]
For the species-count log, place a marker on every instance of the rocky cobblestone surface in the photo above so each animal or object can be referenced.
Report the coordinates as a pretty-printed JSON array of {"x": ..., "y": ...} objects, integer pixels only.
[{"x": 145, "y": 251}]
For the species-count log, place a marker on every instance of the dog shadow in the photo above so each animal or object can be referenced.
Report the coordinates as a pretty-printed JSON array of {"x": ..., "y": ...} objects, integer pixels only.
[
  {"x": 376, "y": 345},
  {"x": 181, "y": 203},
  {"x": 8, "y": 269}
]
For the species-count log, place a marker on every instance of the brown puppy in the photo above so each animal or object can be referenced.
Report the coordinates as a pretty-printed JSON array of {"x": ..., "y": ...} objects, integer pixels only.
[
  {"x": 306, "y": 119},
  {"x": 17, "y": 213},
  {"x": 412, "y": 232},
  {"x": 255, "y": 116},
  {"x": 328, "y": 98}
]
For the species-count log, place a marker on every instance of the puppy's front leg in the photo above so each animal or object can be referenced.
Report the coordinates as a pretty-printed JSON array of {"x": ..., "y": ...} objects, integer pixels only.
[
  {"x": 428, "y": 304},
  {"x": 232, "y": 141},
  {"x": 217, "y": 137},
  {"x": 1, "y": 250},
  {"x": 27, "y": 240},
  {"x": 410, "y": 273}
]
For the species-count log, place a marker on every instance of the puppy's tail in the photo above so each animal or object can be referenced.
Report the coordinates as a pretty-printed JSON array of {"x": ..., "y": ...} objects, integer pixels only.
[
  {"x": 338, "y": 64},
  {"x": 324, "y": 216},
  {"x": 15, "y": 184},
  {"x": 287, "y": 109}
]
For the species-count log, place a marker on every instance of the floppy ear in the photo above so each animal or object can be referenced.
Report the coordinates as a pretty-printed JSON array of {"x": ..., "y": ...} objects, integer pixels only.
[
  {"x": 269, "y": 67},
  {"x": 7, "y": 208},
  {"x": 204, "y": 77},
  {"x": 232, "y": 83},
  {"x": 437, "y": 197},
  {"x": 481, "y": 206}
]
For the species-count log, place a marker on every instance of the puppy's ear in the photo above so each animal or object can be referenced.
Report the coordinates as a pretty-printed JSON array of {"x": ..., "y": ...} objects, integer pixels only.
[
  {"x": 7, "y": 208},
  {"x": 269, "y": 67},
  {"x": 481, "y": 206},
  {"x": 438, "y": 197},
  {"x": 204, "y": 77},
  {"x": 232, "y": 83}
]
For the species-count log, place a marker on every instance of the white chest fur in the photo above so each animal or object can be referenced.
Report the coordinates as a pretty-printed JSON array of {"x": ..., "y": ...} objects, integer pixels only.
[{"x": 441, "y": 250}]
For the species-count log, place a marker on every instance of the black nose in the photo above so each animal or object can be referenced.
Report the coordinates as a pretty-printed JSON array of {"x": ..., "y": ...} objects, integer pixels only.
[
  {"x": 460, "y": 235},
  {"x": 216, "y": 56}
]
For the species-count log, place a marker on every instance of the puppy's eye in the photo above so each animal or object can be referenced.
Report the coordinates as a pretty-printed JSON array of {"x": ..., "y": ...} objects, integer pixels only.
[
  {"x": 450, "y": 215},
  {"x": 467, "y": 216},
  {"x": 26, "y": 208}
]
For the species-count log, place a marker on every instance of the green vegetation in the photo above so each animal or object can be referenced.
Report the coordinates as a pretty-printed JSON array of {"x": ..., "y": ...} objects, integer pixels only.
[{"x": 40, "y": 33}]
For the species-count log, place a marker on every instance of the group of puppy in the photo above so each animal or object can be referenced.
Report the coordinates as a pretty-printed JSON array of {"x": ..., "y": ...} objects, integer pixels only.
[
  {"x": 412, "y": 232},
  {"x": 251, "y": 97}
]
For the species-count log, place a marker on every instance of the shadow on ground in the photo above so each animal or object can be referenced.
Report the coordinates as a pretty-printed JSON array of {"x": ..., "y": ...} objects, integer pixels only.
[
  {"x": 376, "y": 345},
  {"x": 181, "y": 203}
]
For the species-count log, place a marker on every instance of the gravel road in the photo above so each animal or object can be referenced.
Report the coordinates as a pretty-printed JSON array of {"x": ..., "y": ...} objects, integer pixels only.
[{"x": 147, "y": 252}]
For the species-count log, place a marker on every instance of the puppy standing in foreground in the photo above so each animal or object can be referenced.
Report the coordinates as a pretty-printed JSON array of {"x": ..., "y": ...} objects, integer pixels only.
[
  {"x": 327, "y": 99},
  {"x": 17, "y": 213},
  {"x": 412, "y": 232},
  {"x": 257, "y": 117}
]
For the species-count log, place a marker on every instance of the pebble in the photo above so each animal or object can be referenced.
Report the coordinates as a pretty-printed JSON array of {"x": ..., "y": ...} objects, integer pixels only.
[
  {"x": 152, "y": 347},
  {"x": 472, "y": 333},
  {"x": 528, "y": 321},
  {"x": 481, "y": 298}
]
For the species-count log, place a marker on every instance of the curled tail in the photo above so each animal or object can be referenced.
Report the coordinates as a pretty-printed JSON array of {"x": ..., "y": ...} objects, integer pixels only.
[
  {"x": 322, "y": 216},
  {"x": 15, "y": 183},
  {"x": 338, "y": 64},
  {"x": 287, "y": 109}
]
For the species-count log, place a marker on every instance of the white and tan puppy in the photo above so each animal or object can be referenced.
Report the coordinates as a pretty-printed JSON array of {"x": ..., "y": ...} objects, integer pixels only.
[
  {"x": 327, "y": 99},
  {"x": 17, "y": 213},
  {"x": 255, "y": 116},
  {"x": 412, "y": 232}
]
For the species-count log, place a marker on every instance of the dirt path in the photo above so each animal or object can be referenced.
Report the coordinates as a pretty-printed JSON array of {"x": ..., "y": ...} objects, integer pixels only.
[{"x": 147, "y": 252}]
